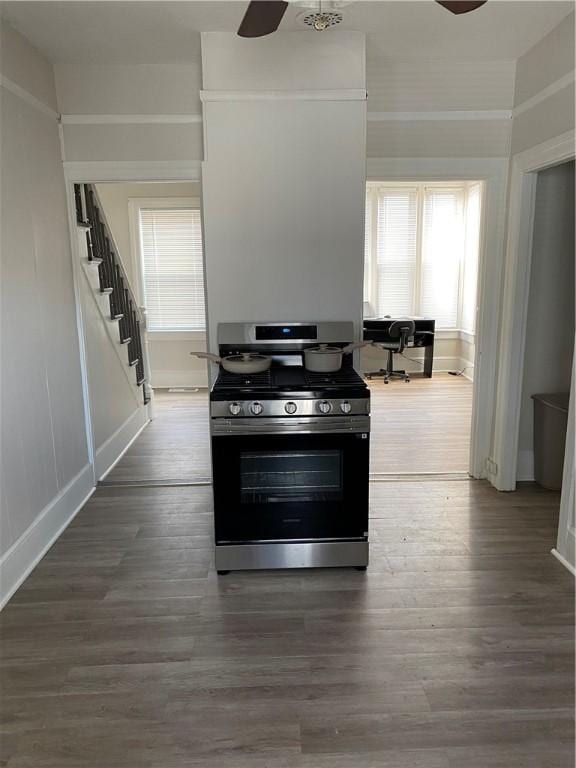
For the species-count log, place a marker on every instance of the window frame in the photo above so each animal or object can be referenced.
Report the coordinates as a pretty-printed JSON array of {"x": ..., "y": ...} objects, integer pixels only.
[
  {"x": 372, "y": 187},
  {"x": 135, "y": 205}
]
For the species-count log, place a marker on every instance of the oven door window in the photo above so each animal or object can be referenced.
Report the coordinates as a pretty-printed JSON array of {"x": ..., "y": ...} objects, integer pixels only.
[
  {"x": 277, "y": 477},
  {"x": 297, "y": 487}
]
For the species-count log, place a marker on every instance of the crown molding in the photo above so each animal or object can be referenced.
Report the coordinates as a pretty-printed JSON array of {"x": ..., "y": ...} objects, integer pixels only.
[
  {"x": 130, "y": 119},
  {"x": 444, "y": 116},
  {"x": 545, "y": 93},
  {"x": 351, "y": 94},
  {"x": 26, "y": 96},
  {"x": 94, "y": 171}
]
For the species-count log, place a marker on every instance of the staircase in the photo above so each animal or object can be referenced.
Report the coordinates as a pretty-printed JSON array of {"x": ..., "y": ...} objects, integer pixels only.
[{"x": 113, "y": 282}]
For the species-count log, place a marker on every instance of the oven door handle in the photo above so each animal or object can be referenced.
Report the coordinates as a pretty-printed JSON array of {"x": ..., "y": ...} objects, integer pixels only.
[{"x": 288, "y": 426}]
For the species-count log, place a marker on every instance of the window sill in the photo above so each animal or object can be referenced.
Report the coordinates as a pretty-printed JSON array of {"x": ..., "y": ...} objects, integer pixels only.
[{"x": 454, "y": 333}]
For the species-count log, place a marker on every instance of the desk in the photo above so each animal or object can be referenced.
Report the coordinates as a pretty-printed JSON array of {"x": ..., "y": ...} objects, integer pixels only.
[{"x": 376, "y": 329}]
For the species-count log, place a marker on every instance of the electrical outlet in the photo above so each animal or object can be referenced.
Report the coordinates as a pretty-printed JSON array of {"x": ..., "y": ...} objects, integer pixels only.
[{"x": 491, "y": 466}]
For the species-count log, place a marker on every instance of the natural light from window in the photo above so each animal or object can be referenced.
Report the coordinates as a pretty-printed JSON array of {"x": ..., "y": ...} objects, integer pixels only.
[
  {"x": 421, "y": 251},
  {"x": 172, "y": 268}
]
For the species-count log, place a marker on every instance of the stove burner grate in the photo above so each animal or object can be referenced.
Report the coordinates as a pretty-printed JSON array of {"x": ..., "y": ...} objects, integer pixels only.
[
  {"x": 343, "y": 377},
  {"x": 243, "y": 380}
]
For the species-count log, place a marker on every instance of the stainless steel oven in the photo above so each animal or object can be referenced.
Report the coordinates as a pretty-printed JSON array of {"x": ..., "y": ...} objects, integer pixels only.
[{"x": 290, "y": 467}]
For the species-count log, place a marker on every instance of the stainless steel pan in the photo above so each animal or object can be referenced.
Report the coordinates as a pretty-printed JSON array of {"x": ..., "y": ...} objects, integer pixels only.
[
  {"x": 245, "y": 362},
  {"x": 326, "y": 359}
]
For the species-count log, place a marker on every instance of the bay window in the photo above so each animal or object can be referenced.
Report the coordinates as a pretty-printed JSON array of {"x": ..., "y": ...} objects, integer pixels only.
[{"x": 421, "y": 251}]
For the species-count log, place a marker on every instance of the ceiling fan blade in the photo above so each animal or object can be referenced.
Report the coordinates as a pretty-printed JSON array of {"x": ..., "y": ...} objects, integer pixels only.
[
  {"x": 262, "y": 17},
  {"x": 461, "y": 6}
]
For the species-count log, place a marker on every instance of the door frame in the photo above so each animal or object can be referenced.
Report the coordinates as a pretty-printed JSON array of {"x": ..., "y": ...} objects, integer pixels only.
[
  {"x": 524, "y": 170},
  {"x": 493, "y": 173},
  {"x": 96, "y": 172}
]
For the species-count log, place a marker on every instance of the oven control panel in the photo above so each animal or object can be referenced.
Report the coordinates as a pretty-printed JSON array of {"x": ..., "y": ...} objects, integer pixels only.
[{"x": 301, "y": 407}]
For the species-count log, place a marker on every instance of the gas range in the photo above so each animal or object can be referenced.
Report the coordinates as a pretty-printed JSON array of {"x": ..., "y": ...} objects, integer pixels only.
[
  {"x": 290, "y": 452},
  {"x": 289, "y": 390}
]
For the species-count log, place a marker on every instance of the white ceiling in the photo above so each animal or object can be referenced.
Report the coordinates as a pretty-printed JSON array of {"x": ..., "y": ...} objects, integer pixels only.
[{"x": 159, "y": 31}]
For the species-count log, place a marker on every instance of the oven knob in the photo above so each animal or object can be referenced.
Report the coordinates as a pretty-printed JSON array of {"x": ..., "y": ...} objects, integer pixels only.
[
  {"x": 324, "y": 406},
  {"x": 256, "y": 408},
  {"x": 345, "y": 406},
  {"x": 235, "y": 408},
  {"x": 290, "y": 407}
]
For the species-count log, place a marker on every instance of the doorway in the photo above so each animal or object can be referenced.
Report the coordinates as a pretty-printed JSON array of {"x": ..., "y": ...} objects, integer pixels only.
[
  {"x": 422, "y": 252},
  {"x": 154, "y": 232}
]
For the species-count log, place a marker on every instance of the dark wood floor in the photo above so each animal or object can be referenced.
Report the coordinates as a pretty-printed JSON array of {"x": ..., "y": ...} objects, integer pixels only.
[{"x": 455, "y": 650}]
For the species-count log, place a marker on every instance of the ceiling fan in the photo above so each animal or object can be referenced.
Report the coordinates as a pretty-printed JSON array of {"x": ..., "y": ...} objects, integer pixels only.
[{"x": 263, "y": 17}]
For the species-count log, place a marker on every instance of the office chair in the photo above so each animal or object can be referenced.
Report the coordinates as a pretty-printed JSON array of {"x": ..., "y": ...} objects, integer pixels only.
[{"x": 399, "y": 332}]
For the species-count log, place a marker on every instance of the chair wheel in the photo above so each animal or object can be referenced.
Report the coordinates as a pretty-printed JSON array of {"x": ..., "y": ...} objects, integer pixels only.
[
  {"x": 385, "y": 381},
  {"x": 222, "y": 573},
  {"x": 407, "y": 380}
]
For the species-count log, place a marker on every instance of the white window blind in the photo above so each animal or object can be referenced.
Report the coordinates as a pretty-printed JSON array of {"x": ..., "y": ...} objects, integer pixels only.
[
  {"x": 470, "y": 283},
  {"x": 442, "y": 252},
  {"x": 396, "y": 251},
  {"x": 421, "y": 251},
  {"x": 171, "y": 246}
]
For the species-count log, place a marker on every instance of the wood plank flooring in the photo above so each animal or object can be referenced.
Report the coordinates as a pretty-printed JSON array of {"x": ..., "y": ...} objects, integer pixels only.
[
  {"x": 420, "y": 427},
  {"x": 124, "y": 649},
  {"x": 173, "y": 447}
]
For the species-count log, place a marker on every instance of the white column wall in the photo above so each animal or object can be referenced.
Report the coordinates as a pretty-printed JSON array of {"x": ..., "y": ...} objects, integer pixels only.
[{"x": 283, "y": 178}]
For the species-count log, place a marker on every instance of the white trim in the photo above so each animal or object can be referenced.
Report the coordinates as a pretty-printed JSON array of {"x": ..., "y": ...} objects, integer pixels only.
[
  {"x": 26, "y": 96},
  {"x": 525, "y": 166},
  {"x": 77, "y": 277},
  {"x": 111, "y": 451},
  {"x": 22, "y": 557},
  {"x": 119, "y": 119},
  {"x": 350, "y": 94},
  {"x": 443, "y": 116},
  {"x": 97, "y": 171},
  {"x": 493, "y": 171},
  {"x": 467, "y": 336},
  {"x": 564, "y": 562},
  {"x": 441, "y": 364},
  {"x": 566, "y": 540},
  {"x": 544, "y": 94}
]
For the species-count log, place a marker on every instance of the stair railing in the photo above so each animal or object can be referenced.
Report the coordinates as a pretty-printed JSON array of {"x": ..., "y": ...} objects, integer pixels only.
[{"x": 114, "y": 282}]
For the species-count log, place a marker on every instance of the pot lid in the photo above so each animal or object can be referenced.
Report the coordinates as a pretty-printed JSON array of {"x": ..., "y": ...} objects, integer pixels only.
[
  {"x": 324, "y": 349},
  {"x": 245, "y": 357}
]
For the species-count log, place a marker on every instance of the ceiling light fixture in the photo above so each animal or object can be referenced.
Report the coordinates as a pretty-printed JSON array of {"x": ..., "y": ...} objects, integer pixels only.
[{"x": 321, "y": 19}]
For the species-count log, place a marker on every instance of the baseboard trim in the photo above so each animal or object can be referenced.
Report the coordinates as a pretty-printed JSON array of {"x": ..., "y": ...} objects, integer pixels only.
[
  {"x": 110, "y": 452},
  {"x": 564, "y": 562},
  {"x": 175, "y": 379},
  {"x": 23, "y": 556}
]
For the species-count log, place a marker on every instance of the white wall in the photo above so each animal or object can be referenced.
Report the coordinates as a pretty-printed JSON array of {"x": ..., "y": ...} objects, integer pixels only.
[
  {"x": 169, "y": 353},
  {"x": 544, "y": 91},
  {"x": 117, "y": 410},
  {"x": 439, "y": 109},
  {"x": 44, "y": 462},
  {"x": 158, "y": 89},
  {"x": 550, "y": 322},
  {"x": 283, "y": 181}
]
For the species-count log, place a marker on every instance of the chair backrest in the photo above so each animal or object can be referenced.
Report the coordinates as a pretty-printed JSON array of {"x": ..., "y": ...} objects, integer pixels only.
[{"x": 401, "y": 330}]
